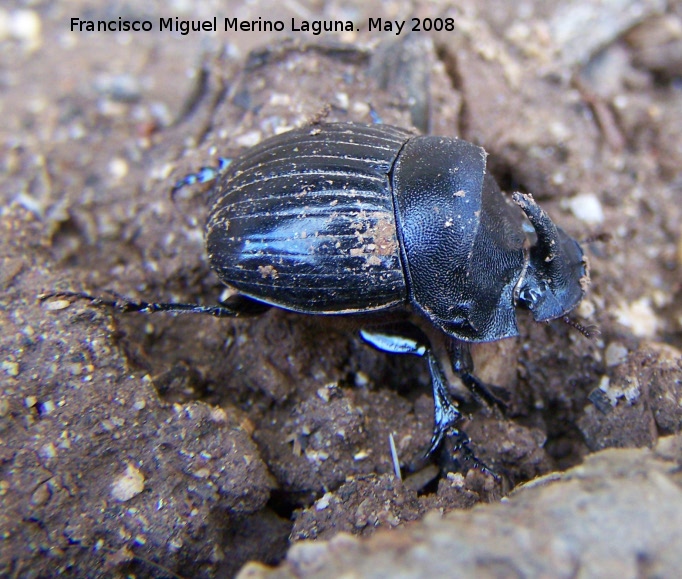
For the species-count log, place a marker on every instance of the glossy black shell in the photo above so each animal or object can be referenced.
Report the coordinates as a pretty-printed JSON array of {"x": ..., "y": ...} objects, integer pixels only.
[
  {"x": 349, "y": 218},
  {"x": 305, "y": 221}
]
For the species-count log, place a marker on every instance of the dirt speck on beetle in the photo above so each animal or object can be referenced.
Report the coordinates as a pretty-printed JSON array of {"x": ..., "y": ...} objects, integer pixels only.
[{"x": 268, "y": 271}]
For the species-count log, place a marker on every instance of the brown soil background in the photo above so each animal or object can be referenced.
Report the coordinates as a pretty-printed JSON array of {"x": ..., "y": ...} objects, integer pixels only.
[{"x": 182, "y": 446}]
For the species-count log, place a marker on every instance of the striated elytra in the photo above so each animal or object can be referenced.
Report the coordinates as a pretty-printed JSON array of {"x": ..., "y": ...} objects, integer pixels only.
[{"x": 351, "y": 219}]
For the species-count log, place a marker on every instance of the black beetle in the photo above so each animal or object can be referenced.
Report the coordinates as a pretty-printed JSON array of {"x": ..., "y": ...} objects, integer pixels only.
[{"x": 353, "y": 219}]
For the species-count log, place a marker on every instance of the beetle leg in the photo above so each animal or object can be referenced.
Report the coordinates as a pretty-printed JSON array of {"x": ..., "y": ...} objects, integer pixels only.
[
  {"x": 445, "y": 414},
  {"x": 408, "y": 339},
  {"x": 463, "y": 365},
  {"x": 374, "y": 115},
  {"x": 227, "y": 309},
  {"x": 203, "y": 175},
  {"x": 397, "y": 339},
  {"x": 446, "y": 417}
]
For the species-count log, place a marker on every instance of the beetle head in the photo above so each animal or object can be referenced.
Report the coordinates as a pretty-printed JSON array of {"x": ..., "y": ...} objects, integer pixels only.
[{"x": 556, "y": 275}]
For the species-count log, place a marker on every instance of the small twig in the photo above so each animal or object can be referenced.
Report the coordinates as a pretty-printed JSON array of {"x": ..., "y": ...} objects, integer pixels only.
[{"x": 394, "y": 456}]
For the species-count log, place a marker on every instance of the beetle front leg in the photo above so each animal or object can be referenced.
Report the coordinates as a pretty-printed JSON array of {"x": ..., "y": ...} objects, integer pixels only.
[
  {"x": 445, "y": 414},
  {"x": 408, "y": 339},
  {"x": 446, "y": 417}
]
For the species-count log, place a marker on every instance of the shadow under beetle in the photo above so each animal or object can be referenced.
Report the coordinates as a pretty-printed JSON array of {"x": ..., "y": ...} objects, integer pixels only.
[{"x": 352, "y": 219}]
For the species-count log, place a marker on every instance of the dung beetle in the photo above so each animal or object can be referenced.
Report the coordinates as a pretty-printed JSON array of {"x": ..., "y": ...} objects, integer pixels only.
[{"x": 351, "y": 219}]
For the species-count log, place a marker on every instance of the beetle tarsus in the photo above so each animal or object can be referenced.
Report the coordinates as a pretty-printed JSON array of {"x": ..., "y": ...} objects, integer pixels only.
[{"x": 462, "y": 446}]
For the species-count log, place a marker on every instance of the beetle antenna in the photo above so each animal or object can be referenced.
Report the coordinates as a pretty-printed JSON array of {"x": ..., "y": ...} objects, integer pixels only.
[
  {"x": 603, "y": 237},
  {"x": 590, "y": 332}
]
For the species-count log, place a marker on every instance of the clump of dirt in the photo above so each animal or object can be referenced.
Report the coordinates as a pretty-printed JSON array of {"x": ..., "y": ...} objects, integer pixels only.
[{"x": 589, "y": 517}]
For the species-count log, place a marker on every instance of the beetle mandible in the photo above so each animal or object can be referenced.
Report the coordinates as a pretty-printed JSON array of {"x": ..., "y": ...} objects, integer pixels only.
[{"x": 352, "y": 219}]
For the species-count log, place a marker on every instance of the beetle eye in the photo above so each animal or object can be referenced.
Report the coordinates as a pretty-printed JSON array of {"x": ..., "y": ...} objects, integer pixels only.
[{"x": 529, "y": 296}]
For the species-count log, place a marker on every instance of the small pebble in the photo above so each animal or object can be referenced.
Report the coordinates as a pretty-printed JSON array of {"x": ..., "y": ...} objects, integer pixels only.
[
  {"x": 323, "y": 503},
  {"x": 118, "y": 168},
  {"x": 639, "y": 316},
  {"x": 249, "y": 139},
  {"x": 122, "y": 88},
  {"x": 128, "y": 485},
  {"x": 56, "y": 305},
  {"x": 615, "y": 354},
  {"x": 586, "y": 207},
  {"x": 22, "y": 25},
  {"x": 11, "y": 368}
]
